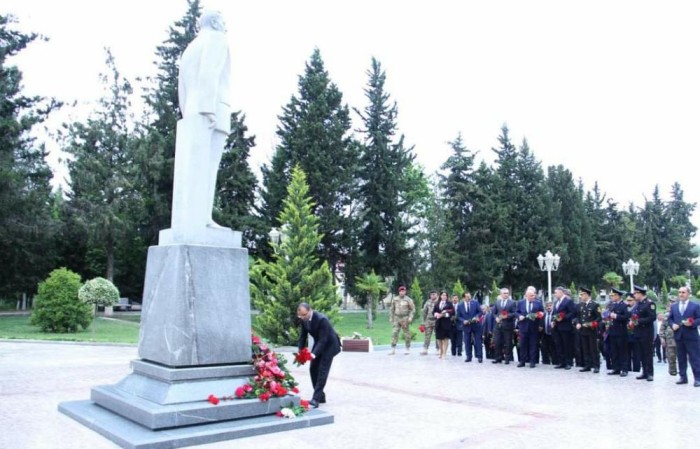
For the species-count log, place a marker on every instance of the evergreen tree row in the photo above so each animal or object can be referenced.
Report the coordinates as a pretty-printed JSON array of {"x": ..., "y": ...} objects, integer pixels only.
[{"x": 377, "y": 211}]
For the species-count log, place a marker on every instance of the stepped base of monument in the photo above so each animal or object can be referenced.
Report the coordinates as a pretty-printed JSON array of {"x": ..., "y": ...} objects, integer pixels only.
[{"x": 131, "y": 435}]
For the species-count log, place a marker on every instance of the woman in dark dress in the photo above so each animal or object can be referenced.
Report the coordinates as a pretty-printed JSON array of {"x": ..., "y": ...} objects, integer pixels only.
[{"x": 443, "y": 312}]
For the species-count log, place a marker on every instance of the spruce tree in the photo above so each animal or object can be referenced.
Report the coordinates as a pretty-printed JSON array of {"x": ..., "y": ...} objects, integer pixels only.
[
  {"x": 27, "y": 226},
  {"x": 236, "y": 185},
  {"x": 458, "y": 196},
  {"x": 101, "y": 177},
  {"x": 295, "y": 273},
  {"x": 387, "y": 177},
  {"x": 314, "y": 133}
]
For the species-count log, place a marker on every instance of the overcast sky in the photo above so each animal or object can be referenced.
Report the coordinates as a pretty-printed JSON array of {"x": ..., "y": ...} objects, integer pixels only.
[{"x": 610, "y": 89}]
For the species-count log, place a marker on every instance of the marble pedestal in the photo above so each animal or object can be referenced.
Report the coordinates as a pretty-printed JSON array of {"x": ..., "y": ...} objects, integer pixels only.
[{"x": 195, "y": 341}]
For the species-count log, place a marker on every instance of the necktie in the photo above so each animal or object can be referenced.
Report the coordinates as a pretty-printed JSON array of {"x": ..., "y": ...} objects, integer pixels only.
[
  {"x": 503, "y": 304},
  {"x": 556, "y": 307},
  {"x": 548, "y": 322}
]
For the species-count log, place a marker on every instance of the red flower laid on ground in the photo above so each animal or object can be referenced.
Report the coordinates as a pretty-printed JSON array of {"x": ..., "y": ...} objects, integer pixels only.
[
  {"x": 304, "y": 404},
  {"x": 301, "y": 357},
  {"x": 272, "y": 378},
  {"x": 421, "y": 328}
]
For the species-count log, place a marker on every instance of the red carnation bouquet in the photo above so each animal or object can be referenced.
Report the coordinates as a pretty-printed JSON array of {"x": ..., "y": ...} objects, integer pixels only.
[
  {"x": 535, "y": 316},
  {"x": 301, "y": 357},
  {"x": 421, "y": 328},
  {"x": 560, "y": 316},
  {"x": 504, "y": 314},
  {"x": 477, "y": 319},
  {"x": 689, "y": 322}
]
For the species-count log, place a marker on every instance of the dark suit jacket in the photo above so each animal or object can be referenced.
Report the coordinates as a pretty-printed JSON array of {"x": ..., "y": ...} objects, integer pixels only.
[
  {"x": 569, "y": 308},
  {"x": 471, "y": 310},
  {"x": 527, "y": 325},
  {"x": 507, "y": 323},
  {"x": 687, "y": 333},
  {"x": 326, "y": 340},
  {"x": 618, "y": 326},
  {"x": 489, "y": 323}
]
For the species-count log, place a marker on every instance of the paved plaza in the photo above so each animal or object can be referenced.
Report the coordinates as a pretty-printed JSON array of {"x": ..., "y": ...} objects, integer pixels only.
[{"x": 381, "y": 401}]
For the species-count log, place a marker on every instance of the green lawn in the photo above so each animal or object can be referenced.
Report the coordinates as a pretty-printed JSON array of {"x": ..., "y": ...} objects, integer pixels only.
[
  {"x": 18, "y": 327},
  {"x": 381, "y": 331},
  {"x": 125, "y": 329}
]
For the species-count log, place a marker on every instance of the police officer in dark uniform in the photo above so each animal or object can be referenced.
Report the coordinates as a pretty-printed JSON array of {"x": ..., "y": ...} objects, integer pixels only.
[
  {"x": 617, "y": 333},
  {"x": 587, "y": 322},
  {"x": 644, "y": 331}
]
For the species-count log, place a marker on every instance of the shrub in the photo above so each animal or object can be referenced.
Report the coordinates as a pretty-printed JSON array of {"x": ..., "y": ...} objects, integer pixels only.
[
  {"x": 99, "y": 292},
  {"x": 57, "y": 307}
]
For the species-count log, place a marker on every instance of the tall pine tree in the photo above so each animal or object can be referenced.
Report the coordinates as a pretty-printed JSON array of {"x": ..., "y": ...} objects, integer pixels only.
[
  {"x": 314, "y": 133},
  {"x": 385, "y": 170},
  {"x": 26, "y": 223},
  {"x": 101, "y": 167}
]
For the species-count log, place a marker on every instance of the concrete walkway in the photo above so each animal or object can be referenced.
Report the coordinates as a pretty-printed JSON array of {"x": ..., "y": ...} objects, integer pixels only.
[{"x": 381, "y": 401}]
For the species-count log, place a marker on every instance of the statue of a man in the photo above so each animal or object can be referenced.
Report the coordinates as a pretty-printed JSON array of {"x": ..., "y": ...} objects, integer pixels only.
[{"x": 205, "y": 90}]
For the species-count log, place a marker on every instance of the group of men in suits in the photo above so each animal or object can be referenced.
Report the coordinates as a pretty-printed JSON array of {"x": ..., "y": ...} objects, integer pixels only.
[
  {"x": 562, "y": 327},
  {"x": 554, "y": 324}
]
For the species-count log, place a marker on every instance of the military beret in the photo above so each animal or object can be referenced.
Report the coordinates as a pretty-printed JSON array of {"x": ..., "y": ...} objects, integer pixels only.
[
  {"x": 618, "y": 292},
  {"x": 402, "y": 287},
  {"x": 585, "y": 290},
  {"x": 638, "y": 289}
]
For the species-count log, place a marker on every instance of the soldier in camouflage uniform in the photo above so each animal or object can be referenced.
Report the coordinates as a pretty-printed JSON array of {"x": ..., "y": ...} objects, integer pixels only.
[
  {"x": 401, "y": 314},
  {"x": 429, "y": 320},
  {"x": 668, "y": 342}
]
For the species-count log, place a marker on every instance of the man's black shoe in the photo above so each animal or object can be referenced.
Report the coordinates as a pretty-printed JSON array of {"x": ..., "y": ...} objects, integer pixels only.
[
  {"x": 697, "y": 383},
  {"x": 613, "y": 373},
  {"x": 532, "y": 365},
  {"x": 650, "y": 378},
  {"x": 596, "y": 370},
  {"x": 313, "y": 403},
  {"x": 481, "y": 360},
  {"x": 467, "y": 360},
  {"x": 507, "y": 362},
  {"x": 623, "y": 374},
  {"x": 641, "y": 377},
  {"x": 497, "y": 361},
  {"x": 560, "y": 367},
  {"x": 682, "y": 382},
  {"x": 521, "y": 364},
  {"x": 567, "y": 367},
  {"x": 583, "y": 370}
]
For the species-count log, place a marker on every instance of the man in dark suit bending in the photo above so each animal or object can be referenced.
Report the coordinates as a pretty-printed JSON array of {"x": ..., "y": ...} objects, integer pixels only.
[{"x": 326, "y": 346}]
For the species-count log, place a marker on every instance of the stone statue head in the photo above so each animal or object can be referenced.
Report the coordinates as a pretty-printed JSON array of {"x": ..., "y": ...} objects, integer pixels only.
[{"x": 213, "y": 20}]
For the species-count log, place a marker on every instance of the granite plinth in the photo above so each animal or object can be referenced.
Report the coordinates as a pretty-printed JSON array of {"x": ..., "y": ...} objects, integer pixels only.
[
  {"x": 128, "y": 434},
  {"x": 194, "y": 373},
  {"x": 206, "y": 236},
  {"x": 166, "y": 392},
  {"x": 155, "y": 416},
  {"x": 196, "y": 306}
]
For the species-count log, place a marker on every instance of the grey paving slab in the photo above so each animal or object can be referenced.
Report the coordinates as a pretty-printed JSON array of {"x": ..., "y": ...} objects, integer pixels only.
[{"x": 381, "y": 401}]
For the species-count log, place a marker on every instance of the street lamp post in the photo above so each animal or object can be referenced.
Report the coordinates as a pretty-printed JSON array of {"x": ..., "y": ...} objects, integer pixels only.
[
  {"x": 631, "y": 268},
  {"x": 549, "y": 262}
]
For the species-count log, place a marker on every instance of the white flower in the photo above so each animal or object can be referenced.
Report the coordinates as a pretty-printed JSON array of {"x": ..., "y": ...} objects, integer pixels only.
[{"x": 288, "y": 413}]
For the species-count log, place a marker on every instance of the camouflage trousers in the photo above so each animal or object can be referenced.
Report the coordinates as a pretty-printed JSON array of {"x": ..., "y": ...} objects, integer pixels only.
[
  {"x": 672, "y": 357},
  {"x": 429, "y": 328},
  {"x": 398, "y": 325}
]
